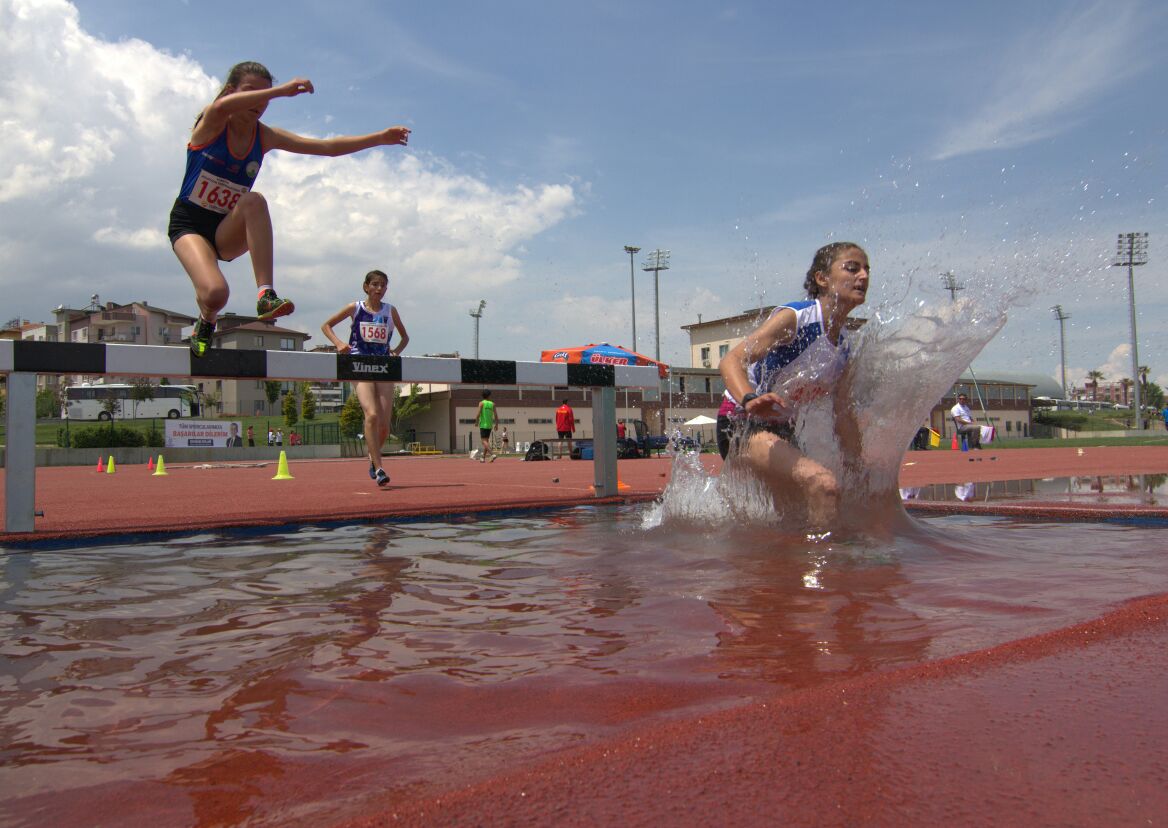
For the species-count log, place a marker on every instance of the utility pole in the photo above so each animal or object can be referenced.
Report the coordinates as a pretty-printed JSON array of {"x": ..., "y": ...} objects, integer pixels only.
[
  {"x": 632, "y": 251},
  {"x": 949, "y": 280},
  {"x": 656, "y": 261},
  {"x": 477, "y": 314},
  {"x": 1131, "y": 251},
  {"x": 1062, "y": 317}
]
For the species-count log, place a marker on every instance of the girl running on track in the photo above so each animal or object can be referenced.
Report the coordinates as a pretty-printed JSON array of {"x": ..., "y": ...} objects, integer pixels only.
[
  {"x": 374, "y": 322},
  {"x": 217, "y": 215},
  {"x": 799, "y": 353}
]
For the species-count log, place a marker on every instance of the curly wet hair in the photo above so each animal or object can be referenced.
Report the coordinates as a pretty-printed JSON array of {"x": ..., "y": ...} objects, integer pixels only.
[{"x": 822, "y": 262}]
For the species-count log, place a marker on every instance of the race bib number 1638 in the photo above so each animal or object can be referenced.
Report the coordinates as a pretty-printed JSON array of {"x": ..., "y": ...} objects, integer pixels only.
[{"x": 216, "y": 194}]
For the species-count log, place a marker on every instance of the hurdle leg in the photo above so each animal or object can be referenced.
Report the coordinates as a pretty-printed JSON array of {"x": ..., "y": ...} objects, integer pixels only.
[
  {"x": 20, "y": 454},
  {"x": 604, "y": 441}
]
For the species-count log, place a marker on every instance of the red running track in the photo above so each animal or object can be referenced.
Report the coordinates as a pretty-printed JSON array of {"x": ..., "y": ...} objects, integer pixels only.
[{"x": 1064, "y": 729}]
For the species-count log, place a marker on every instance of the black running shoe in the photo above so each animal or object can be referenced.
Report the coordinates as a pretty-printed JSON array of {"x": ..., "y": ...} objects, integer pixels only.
[
  {"x": 382, "y": 477},
  {"x": 201, "y": 337},
  {"x": 271, "y": 306},
  {"x": 372, "y": 472}
]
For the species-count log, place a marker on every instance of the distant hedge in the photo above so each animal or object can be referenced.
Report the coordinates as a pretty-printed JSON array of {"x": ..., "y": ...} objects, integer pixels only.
[
  {"x": 1070, "y": 420},
  {"x": 105, "y": 436}
]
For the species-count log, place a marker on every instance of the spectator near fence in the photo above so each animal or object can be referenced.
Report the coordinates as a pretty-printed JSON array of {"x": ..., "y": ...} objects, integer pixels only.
[{"x": 565, "y": 421}]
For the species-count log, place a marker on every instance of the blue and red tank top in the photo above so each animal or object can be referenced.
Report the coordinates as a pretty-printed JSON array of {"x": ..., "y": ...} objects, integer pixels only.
[{"x": 216, "y": 178}]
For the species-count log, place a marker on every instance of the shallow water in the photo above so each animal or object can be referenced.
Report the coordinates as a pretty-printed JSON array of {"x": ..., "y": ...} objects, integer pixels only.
[
  {"x": 347, "y": 662},
  {"x": 1094, "y": 490}
]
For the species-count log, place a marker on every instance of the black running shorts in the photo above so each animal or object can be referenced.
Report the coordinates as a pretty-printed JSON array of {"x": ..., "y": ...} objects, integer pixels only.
[
  {"x": 728, "y": 430},
  {"x": 190, "y": 218}
]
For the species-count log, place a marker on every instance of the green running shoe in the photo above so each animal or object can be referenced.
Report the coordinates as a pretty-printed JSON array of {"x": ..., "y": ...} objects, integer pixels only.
[
  {"x": 271, "y": 306},
  {"x": 201, "y": 337}
]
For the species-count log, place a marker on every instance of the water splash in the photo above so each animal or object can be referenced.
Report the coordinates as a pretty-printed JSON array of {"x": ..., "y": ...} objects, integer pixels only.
[
  {"x": 693, "y": 496},
  {"x": 903, "y": 360}
]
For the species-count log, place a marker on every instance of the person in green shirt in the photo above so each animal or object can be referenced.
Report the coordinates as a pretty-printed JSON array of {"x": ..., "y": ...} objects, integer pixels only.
[{"x": 487, "y": 423}]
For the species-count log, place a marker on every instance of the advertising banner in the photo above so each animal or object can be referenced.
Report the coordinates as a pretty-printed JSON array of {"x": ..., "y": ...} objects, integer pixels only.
[
  {"x": 359, "y": 367},
  {"x": 203, "y": 434}
]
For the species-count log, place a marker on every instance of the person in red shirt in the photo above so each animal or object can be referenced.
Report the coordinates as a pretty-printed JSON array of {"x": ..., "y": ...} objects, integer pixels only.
[
  {"x": 565, "y": 421},
  {"x": 620, "y": 430}
]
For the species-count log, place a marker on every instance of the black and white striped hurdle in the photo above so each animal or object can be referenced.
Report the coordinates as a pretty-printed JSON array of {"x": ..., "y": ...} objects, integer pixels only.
[{"x": 21, "y": 361}]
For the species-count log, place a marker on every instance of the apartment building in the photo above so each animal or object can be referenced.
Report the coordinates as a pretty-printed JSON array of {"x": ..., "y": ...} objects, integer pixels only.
[
  {"x": 138, "y": 323},
  {"x": 248, "y": 397}
]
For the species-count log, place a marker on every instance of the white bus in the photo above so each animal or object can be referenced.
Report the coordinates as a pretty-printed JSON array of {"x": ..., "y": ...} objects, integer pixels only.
[{"x": 92, "y": 402}]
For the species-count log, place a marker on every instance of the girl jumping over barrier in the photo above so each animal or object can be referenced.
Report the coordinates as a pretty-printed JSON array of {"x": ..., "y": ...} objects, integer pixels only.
[
  {"x": 373, "y": 324},
  {"x": 217, "y": 216}
]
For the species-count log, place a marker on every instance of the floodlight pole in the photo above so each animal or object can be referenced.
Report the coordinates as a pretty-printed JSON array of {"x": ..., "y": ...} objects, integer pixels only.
[
  {"x": 632, "y": 251},
  {"x": 477, "y": 314},
  {"x": 656, "y": 261},
  {"x": 949, "y": 279},
  {"x": 1131, "y": 251},
  {"x": 1062, "y": 317}
]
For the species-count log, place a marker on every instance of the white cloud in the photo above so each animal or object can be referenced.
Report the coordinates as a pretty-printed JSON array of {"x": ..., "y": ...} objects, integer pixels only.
[
  {"x": 1118, "y": 364},
  {"x": 141, "y": 239},
  {"x": 72, "y": 107},
  {"x": 414, "y": 216},
  {"x": 1052, "y": 72},
  {"x": 1117, "y": 367},
  {"x": 93, "y": 137}
]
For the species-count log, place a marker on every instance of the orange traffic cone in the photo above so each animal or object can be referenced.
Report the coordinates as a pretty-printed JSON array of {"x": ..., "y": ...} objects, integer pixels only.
[
  {"x": 620, "y": 485},
  {"x": 100, "y": 467},
  {"x": 150, "y": 463},
  {"x": 955, "y": 446}
]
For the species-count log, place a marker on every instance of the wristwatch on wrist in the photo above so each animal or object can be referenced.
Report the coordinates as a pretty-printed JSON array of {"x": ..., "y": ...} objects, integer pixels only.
[{"x": 746, "y": 398}]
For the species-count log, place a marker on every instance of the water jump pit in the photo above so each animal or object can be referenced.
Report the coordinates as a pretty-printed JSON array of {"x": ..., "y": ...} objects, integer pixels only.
[{"x": 592, "y": 665}]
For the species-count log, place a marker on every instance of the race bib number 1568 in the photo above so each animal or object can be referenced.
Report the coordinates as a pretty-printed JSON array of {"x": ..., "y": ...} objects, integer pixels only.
[{"x": 375, "y": 333}]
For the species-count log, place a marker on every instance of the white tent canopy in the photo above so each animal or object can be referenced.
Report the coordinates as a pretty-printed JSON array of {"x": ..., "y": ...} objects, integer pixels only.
[{"x": 701, "y": 420}]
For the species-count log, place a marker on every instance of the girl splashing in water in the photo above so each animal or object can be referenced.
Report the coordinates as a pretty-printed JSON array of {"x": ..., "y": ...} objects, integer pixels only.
[
  {"x": 217, "y": 215},
  {"x": 798, "y": 354}
]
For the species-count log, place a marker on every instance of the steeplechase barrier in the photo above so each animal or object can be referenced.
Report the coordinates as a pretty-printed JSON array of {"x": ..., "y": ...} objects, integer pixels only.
[{"x": 21, "y": 361}]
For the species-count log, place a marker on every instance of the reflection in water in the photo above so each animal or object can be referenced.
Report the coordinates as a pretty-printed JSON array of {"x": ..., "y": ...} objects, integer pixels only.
[
  {"x": 844, "y": 620},
  {"x": 221, "y": 679},
  {"x": 1138, "y": 489}
]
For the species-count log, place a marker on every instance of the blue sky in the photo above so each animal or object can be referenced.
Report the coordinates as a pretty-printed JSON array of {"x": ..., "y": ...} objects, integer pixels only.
[{"x": 1007, "y": 142}]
